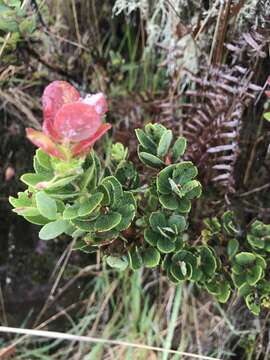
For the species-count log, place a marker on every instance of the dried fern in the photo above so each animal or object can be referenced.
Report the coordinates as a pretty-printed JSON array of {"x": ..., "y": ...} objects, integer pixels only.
[{"x": 213, "y": 119}]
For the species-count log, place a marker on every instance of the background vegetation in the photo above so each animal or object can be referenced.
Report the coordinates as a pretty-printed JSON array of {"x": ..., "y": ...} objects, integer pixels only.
[{"x": 198, "y": 67}]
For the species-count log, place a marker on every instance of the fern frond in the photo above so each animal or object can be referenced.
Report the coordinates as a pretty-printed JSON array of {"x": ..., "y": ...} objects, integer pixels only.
[{"x": 212, "y": 120}]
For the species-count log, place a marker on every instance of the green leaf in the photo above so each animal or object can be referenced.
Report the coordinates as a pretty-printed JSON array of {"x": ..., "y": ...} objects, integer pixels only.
[
  {"x": 88, "y": 176},
  {"x": 237, "y": 269},
  {"x": 267, "y": 116},
  {"x": 87, "y": 206},
  {"x": 27, "y": 211},
  {"x": 24, "y": 200},
  {"x": 260, "y": 261},
  {"x": 128, "y": 213},
  {"x": 245, "y": 258},
  {"x": 146, "y": 142},
  {"x": 165, "y": 245},
  {"x": 192, "y": 189},
  {"x": 61, "y": 182},
  {"x": 256, "y": 242},
  {"x": 11, "y": 3},
  {"x": 164, "y": 143},
  {"x": 176, "y": 189},
  {"x": 151, "y": 237},
  {"x": 184, "y": 205},
  {"x": 163, "y": 183},
  {"x": 157, "y": 220},
  {"x": 8, "y": 21},
  {"x": 53, "y": 229},
  {"x": 212, "y": 286},
  {"x": 224, "y": 292},
  {"x": 119, "y": 152},
  {"x": 28, "y": 25},
  {"x": 107, "y": 194},
  {"x": 127, "y": 175},
  {"x": 239, "y": 279},
  {"x": 46, "y": 205},
  {"x": 244, "y": 290},
  {"x": 155, "y": 131},
  {"x": 151, "y": 257},
  {"x": 213, "y": 224},
  {"x": 252, "y": 304},
  {"x": 228, "y": 223},
  {"x": 88, "y": 226},
  {"x": 172, "y": 278},
  {"x": 114, "y": 188},
  {"x": 117, "y": 262},
  {"x": 71, "y": 212},
  {"x": 37, "y": 220},
  {"x": 150, "y": 160},
  {"x": 108, "y": 221},
  {"x": 254, "y": 275},
  {"x": 179, "y": 148},
  {"x": 208, "y": 261},
  {"x": 179, "y": 271},
  {"x": 44, "y": 159},
  {"x": 232, "y": 248},
  {"x": 62, "y": 194},
  {"x": 32, "y": 179},
  {"x": 135, "y": 259},
  {"x": 169, "y": 201},
  {"x": 184, "y": 172},
  {"x": 178, "y": 222},
  {"x": 186, "y": 256},
  {"x": 40, "y": 169}
]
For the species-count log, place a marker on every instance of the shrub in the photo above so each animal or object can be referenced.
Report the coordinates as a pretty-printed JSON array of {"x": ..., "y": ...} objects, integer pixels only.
[{"x": 136, "y": 216}]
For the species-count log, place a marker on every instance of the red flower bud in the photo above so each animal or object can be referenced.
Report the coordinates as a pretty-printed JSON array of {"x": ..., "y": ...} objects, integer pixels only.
[{"x": 69, "y": 120}]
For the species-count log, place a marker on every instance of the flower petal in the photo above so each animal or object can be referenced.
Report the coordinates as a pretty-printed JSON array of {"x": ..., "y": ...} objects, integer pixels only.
[
  {"x": 44, "y": 142},
  {"x": 77, "y": 121},
  {"x": 98, "y": 101},
  {"x": 84, "y": 145},
  {"x": 54, "y": 97}
]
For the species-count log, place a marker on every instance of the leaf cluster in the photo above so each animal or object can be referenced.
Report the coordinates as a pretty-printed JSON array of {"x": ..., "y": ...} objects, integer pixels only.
[
  {"x": 245, "y": 264},
  {"x": 15, "y": 21},
  {"x": 137, "y": 223}
]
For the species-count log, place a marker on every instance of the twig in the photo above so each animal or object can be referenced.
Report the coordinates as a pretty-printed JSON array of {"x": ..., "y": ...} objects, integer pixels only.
[
  {"x": 59, "y": 275},
  {"x": 220, "y": 33},
  {"x": 207, "y": 19},
  {"x": 76, "y": 21},
  {"x": 89, "y": 339},
  {"x": 103, "y": 306},
  {"x": 253, "y": 191}
]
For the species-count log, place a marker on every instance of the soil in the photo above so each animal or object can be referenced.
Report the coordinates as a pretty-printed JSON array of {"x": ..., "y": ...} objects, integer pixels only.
[{"x": 26, "y": 263}]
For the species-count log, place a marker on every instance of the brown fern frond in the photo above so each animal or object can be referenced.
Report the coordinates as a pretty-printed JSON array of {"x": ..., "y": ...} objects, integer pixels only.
[
  {"x": 249, "y": 48},
  {"x": 212, "y": 119}
]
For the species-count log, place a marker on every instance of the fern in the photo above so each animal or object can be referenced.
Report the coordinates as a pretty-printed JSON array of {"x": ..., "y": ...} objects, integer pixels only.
[{"x": 213, "y": 119}]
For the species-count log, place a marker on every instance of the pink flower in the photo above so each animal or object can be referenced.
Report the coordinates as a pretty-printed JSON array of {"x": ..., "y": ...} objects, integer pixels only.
[{"x": 69, "y": 122}]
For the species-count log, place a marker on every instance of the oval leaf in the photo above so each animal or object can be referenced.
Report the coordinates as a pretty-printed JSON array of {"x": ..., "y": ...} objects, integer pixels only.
[
  {"x": 53, "y": 229},
  {"x": 151, "y": 257},
  {"x": 46, "y": 205},
  {"x": 108, "y": 221},
  {"x": 150, "y": 160},
  {"x": 164, "y": 143}
]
